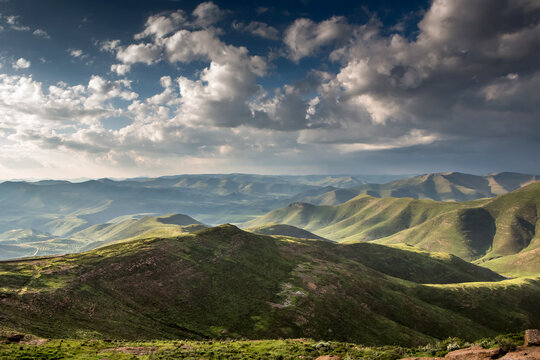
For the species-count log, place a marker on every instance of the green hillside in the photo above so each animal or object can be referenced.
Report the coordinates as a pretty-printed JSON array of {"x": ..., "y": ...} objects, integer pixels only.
[
  {"x": 224, "y": 282},
  {"x": 284, "y": 230},
  {"x": 146, "y": 226},
  {"x": 26, "y": 242},
  {"x": 499, "y": 232},
  {"x": 450, "y": 186}
]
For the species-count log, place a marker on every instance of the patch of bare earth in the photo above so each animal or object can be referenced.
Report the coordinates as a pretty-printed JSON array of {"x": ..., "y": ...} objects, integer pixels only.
[{"x": 479, "y": 353}]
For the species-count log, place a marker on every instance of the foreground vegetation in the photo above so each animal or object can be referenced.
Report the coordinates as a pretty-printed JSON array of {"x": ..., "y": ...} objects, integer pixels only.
[{"x": 235, "y": 349}]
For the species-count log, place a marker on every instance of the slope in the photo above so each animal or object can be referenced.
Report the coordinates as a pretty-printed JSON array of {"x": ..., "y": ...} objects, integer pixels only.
[
  {"x": 483, "y": 230},
  {"x": 27, "y": 242},
  {"x": 224, "y": 282},
  {"x": 284, "y": 230}
]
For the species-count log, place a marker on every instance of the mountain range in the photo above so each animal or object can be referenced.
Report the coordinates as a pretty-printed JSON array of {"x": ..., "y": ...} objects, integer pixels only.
[{"x": 501, "y": 232}]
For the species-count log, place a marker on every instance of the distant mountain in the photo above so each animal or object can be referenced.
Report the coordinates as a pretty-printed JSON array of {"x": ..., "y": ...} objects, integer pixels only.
[
  {"x": 482, "y": 230},
  {"x": 226, "y": 283},
  {"x": 25, "y": 242},
  {"x": 62, "y": 208},
  {"x": 284, "y": 230},
  {"x": 451, "y": 186}
]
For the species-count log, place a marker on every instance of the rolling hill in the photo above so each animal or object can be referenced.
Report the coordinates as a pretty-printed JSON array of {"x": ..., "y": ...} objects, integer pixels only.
[
  {"x": 226, "y": 283},
  {"x": 485, "y": 230},
  {"x": 26, "y": 242},
  {"x": 284, "y": 230},
  {"x": 450, "y": 186}
]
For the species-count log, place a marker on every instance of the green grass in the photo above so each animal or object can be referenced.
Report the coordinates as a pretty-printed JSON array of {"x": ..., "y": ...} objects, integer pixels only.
[
  {"x": 284, "y": 230},
  {"x": 499, "y": 233},
  {"x": 235, "y": 349}
]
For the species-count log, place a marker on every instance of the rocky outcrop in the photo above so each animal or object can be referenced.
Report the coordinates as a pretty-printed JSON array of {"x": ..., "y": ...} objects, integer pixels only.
[
  {"x": 532, "y": 337},
  {"x": 474, "y": 353}
]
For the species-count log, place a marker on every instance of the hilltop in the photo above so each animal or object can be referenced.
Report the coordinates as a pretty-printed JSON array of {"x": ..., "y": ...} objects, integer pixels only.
[
  {"x": 498, "y": 232},
  {"x": 224, "y": 282},
  {"x": 284, "y": 230}
]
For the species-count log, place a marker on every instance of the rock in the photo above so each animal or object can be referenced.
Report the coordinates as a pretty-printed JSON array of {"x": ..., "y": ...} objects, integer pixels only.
[
  {"x": 15, "y": 338},
  {"x": 328, "y": 357},
  {"x": 532, "y": 337},
  {"x": 523, "y": 353},
  {"x": 473, "y": 353}
]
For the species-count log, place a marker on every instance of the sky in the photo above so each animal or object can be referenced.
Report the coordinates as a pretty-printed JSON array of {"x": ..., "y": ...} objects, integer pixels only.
[{"x": 92, "y": 89}]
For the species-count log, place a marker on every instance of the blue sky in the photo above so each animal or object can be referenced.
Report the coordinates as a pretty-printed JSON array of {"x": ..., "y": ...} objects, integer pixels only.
[{"x": 120, "y": 89}]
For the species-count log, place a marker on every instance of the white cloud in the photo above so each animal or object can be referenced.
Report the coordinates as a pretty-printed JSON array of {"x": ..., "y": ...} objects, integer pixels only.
[
  {"x": 15, "y": 25},
  {"x": 21, "y": 63},
  {"x": 258, "y": 28},
  {"x": 76, "y": 53},
  {"x": 42, "y": 33},
  {"x": 121, "y": 69},
  {"x": 162, "y": 24},
  {"x": 145, "y": 53},
  {"x": 207, "y": 13},
  {"x": 304, "y": 37}
]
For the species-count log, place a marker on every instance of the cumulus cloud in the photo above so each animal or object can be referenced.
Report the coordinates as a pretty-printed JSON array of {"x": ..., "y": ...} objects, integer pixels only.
[
  {"x": 120, "y": 69},
  {"x": 258, "y": 28},
  {"x": 147, "y": 53},
  {"x": 21, "y": 63},
  {"x": 162, "y": 24},
  {"x": 42, "y": 33},
  {"x": 304, "y": 37},
  {"x": 207, "y": 13}
]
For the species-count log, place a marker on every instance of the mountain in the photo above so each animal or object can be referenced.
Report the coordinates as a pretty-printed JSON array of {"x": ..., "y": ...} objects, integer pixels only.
[
  {"x": 62, "y": 208},
  {"x": 450, "y": 186},
  {"x": 284, "y": 230},
  {"x": 26, "y": 242},
  {"x": 483, "y": 230},
  {"x": 226, "y": 283}
]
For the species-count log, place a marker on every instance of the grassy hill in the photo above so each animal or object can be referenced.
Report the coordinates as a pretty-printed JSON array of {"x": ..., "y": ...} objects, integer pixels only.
[
  {"x": 499, "y": 232},
  {"x": 26, "y": 242},
  {"x": 451, "y": 186},
  {"x": 146, "y": 226},
  {"x": 284, "y": 230},
  {"x": 225, "y": 283}
]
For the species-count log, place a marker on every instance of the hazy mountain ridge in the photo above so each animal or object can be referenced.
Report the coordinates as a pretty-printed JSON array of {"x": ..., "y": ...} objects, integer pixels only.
[
  {"x": 62, "y": 208},
  {"x": 449, "y": 186},
  {"x": 223, "y": 282},
  {"x": 479, "y": 230}
]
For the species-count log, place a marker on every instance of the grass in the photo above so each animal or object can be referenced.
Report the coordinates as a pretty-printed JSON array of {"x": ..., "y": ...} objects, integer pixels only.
[
  {"x": 498, "y": 233},
  {"x": 286, "y": 349}
]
